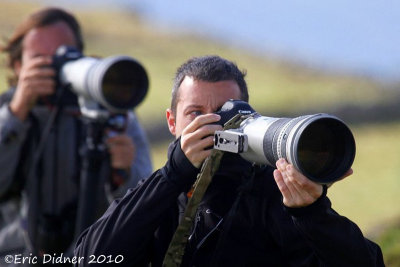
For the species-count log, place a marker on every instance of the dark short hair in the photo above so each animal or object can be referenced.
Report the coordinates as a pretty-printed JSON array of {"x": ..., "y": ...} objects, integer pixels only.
[
  {"x": 40, "y": 18},
  {"x": 209, "y": 69}
]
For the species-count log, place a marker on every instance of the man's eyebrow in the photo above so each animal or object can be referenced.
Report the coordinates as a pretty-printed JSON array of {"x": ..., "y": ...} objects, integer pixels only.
[{"x": 193, "y": 106}]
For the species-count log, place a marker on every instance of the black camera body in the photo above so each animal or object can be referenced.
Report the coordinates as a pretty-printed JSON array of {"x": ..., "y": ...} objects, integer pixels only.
[
  {"x": 233, "y": 107},
  {"x": 63, "y": 96},
  {"x": 65, "y": 54}
]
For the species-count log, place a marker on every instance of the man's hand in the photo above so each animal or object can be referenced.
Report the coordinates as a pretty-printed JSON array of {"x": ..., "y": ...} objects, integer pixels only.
[
  {"x": 36, "y": 79},
  {"x": 122, "y": 151},
  {"x": 198, "y": 136},
  {"x": 297, "y": 190}
]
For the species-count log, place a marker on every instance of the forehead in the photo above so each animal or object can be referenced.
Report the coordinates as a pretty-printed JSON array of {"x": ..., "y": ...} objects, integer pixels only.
[
  {"x": 45, "y": 40},
  {"x": 208, "y": 95}
]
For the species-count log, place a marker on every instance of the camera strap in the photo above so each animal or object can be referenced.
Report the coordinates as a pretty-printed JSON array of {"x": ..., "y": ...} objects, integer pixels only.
[
  {"x": 35, "y": 198},
  {"x": 177, "y": 246}
]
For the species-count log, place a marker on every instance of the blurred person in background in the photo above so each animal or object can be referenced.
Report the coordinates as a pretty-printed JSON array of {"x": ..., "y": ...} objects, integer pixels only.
[
  {"x": 39, "y": 191},
  {"x": 250, "y": 215}
]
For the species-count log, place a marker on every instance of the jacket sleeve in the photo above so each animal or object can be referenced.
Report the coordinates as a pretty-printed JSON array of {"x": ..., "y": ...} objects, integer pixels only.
[
  {"x": 128, "y": 226},
  {"x": 336, "y": 240},
  {"x": 12, "y": 136}
]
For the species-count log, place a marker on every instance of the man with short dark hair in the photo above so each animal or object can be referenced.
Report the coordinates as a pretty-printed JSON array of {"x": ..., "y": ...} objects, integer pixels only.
[
  {"x": 249, "y": 216},
  {"x": 40, "y": 158}
]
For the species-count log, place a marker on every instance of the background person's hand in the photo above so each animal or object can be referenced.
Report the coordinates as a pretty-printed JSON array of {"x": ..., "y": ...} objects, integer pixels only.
[
  {"x": 36, "y": 79},
  {"x": 198, "y": 136},
  {"x": 122, "y": 151}
]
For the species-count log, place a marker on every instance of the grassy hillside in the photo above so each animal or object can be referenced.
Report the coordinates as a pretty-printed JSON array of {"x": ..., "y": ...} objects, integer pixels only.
[
  {"x": 369, "y": 197},
  {"x": 274, "y": 85}
]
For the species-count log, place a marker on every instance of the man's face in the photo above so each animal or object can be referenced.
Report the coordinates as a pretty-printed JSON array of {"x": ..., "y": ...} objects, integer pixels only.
[
  {"x": 44, "y": 41},
  {"x": 197, "y": 98}
]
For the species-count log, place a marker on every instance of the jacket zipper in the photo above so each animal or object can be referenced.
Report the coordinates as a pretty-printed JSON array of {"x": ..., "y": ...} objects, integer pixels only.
[{"x": 208, "y": 211}]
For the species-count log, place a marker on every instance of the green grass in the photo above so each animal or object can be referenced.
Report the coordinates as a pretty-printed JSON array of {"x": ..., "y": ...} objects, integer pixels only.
[
  {"x": 389, "y": 240},
  {"x": 274, "y": 85},
  {"x": 369, "y": 197}
]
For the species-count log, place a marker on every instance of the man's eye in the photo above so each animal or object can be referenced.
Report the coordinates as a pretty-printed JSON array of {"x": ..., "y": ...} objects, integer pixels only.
[{"x": 195, "y": 113}]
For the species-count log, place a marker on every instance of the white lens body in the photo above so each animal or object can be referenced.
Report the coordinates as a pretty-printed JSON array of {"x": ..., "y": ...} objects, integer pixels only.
[
  {"x": 255, "y": 129},
  {"x": 76, "y": 74},
  {"x": 86, "y": 76}
]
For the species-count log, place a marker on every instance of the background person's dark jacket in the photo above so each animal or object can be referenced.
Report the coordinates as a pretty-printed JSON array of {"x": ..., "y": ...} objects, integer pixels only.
[{"x": 258, "y": 231}]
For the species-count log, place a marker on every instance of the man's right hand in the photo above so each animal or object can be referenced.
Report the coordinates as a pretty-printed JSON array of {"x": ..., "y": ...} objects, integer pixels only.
[
  {"x": 36, "y": 79},
  {"x": 198, "y": 136}
]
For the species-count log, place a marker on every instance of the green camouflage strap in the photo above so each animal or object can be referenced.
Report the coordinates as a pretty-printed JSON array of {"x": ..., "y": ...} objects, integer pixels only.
[{"x": 176, "y": 249}]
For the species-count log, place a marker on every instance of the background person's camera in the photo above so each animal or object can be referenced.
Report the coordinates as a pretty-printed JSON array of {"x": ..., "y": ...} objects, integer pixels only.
[
  {"x": 111, "y": 85},
  {"x": 320, "y": 146}
]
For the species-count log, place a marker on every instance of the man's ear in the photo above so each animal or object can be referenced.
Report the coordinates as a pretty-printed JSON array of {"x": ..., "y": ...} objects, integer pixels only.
[{"x": 171, "y": 121}]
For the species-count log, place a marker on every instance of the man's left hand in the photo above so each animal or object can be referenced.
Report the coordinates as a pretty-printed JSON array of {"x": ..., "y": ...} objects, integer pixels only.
[{"x": 297, "y": 190}]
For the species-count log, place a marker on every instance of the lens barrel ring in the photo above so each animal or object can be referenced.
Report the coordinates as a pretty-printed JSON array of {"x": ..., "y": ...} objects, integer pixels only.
[{"x": 284, "y": 136}]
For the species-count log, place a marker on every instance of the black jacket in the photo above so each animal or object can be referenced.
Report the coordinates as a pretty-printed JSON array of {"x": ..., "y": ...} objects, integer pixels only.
[{"x": 241, "y": 221}]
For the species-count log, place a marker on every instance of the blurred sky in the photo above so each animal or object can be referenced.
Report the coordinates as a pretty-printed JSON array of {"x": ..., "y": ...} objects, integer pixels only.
[{"x": 361, "y": 36}]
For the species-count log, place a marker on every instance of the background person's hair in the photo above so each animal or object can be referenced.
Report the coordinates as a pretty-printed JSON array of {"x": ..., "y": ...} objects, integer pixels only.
[
  {"x": 209, "y": 69},
  {"x": 41, "y": 18}
]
